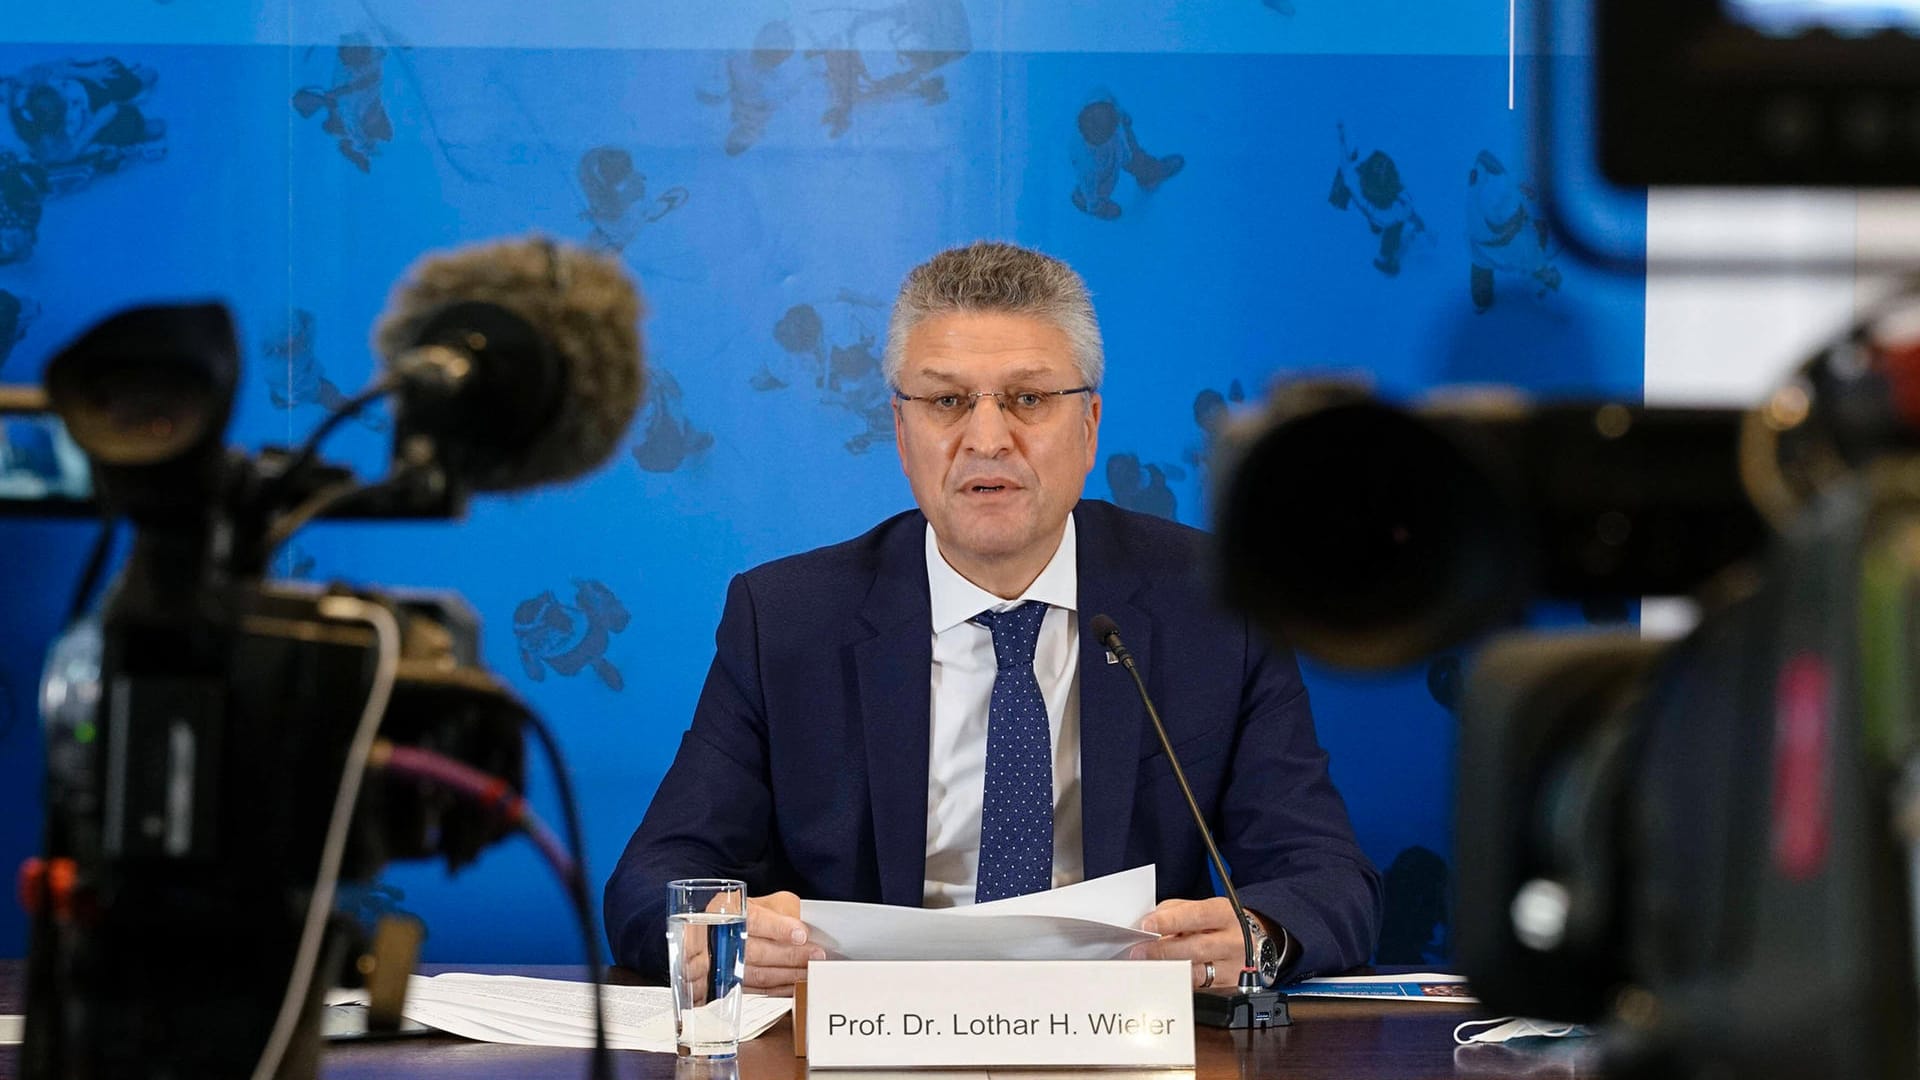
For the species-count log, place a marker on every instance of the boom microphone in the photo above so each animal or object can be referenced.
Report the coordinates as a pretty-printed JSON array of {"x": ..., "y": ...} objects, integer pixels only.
[
  {"x": 1247, "y": 1004},
  {"x": 519, "y": 361}
]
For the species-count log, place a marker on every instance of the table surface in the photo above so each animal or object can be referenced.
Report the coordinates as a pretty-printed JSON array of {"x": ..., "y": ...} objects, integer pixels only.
[{"x": 1330, "y": 1039}]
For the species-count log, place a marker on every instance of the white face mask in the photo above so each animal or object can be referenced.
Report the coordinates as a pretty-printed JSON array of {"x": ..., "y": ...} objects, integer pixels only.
[{"x": 1506, "y": 1028}]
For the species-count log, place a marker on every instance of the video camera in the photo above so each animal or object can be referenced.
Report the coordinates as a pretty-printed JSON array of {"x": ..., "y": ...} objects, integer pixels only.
[
  {"x": 208, "y": 729},
  {"x": 1709, "y": 847},
  {"x": 1705, "y": 844}
]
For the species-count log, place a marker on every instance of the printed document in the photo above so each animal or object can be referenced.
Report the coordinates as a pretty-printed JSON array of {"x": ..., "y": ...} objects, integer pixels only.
[
  {"x": 1092, "y": 920},
  {"x": 555, "y": 1012}
]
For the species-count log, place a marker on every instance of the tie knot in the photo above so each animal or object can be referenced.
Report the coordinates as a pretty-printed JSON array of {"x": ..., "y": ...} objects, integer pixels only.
[{"x": 1015, "y": 632}]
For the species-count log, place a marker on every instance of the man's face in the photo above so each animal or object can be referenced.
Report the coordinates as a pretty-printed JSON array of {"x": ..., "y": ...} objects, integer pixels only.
[{"x": 995, "y": 488}]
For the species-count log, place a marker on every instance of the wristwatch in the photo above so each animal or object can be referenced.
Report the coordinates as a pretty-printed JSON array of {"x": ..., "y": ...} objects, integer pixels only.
[{"x": 1270, "y": 954}]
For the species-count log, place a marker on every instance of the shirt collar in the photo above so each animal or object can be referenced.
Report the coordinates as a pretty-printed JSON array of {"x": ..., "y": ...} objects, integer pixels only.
[{"x": 955, "y": 599}]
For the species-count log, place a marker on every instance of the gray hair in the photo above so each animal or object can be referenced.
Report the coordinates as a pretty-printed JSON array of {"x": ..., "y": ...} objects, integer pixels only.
[{"x": 991, "y": 276}]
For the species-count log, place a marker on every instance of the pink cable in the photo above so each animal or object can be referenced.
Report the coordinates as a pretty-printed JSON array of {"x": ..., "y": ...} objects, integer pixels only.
[{"x": 488, "y": 790}]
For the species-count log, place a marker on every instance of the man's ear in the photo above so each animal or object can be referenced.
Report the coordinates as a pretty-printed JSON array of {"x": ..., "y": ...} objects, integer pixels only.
[
  {"x": 1092, "y": 421},
  {"x": 900, "y": 437}
]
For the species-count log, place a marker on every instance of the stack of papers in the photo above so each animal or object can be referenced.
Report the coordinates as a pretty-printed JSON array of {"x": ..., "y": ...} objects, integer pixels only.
[
  {"x": 1414, "y": 986},
  {"x": 1093, "y": 920},
  {"x": 552, "y": 1012}
]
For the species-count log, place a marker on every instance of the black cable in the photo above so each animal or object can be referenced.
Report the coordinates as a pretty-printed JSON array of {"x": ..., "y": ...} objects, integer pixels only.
[
  {"x": 303, "y": 458},
  {"x": 96, "y": 566},
  {"x": 317, "y": 504},
  {"x": 327, "y": 498},
  {"x": 602, "y": 1068}
]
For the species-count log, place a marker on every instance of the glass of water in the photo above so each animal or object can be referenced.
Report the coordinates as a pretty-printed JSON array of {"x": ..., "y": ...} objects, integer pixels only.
[{"x": 706, "y": 957}]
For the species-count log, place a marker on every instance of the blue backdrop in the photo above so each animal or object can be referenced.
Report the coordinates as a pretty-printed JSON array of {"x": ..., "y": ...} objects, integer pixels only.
[{"x": 1251, "y": 188}]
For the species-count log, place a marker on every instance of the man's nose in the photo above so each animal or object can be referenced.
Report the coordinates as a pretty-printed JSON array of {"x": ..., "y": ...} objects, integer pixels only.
[{"x": 987, "y": 431}]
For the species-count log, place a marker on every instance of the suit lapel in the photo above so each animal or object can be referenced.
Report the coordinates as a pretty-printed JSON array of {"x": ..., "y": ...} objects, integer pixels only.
[
  {"x": 892, "y": 667},
  {"x": 1113, "y": 722}
]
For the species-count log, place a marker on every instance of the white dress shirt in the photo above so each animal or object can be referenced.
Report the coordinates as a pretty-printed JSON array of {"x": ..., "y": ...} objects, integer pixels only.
[{"x": 963, "y": 672}]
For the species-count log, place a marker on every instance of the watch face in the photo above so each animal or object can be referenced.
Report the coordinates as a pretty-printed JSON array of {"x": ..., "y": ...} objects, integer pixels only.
[{"x": 1270, "y": 960}]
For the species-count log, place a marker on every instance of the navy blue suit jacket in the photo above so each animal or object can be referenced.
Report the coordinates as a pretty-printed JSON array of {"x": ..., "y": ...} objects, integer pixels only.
[{"x": 805, "y": 767}]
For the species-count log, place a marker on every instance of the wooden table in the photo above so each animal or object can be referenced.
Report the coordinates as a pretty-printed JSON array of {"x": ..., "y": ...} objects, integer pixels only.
[{"x": 1329, "y": 1040}]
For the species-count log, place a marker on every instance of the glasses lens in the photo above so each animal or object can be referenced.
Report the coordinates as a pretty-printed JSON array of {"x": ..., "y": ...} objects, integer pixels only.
[
  {"x": 945, "y": 408},
  {"x": 1028, "y": 405}
]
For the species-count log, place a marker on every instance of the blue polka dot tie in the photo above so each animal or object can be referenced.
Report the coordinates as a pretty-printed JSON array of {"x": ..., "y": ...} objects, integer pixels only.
[{"x": 1016, "y": 812}]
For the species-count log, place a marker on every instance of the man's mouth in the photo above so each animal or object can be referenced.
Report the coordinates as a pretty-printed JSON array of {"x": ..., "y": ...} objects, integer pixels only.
[{"x": 988, "y": 487}]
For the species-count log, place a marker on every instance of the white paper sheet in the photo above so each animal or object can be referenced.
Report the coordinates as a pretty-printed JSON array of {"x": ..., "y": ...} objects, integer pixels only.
[
  {"x": 556, "y": 1012},
  {"x": 12, "y": 1029},
  {"x": 1091, "y": 920},
  {"x": 1121, "y": 899}
]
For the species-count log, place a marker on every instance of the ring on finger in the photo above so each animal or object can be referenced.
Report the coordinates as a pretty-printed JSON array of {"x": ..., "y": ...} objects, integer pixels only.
[{"x": 1208, "y": 981}]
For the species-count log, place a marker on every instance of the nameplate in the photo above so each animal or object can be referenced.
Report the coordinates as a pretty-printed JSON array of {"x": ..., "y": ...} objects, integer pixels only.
[{"x": 963, "y": 1013}]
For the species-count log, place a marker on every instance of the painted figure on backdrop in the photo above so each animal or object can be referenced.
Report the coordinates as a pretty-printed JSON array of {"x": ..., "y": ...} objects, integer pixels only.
[
  {"x": 1143, "y": 486},
  {"x": 891, "y": 54},
  {"x": 802, "y": 335},
  {"x": 570, "y": 638},
  {"x": 295, "y": 377},
  {"x": 17, "y": 314},
  {"x": 23, "y": 197},
  {"x": 669, "y": 439},
  {"x": 1145, "y": 489},
  {"x": 876, "y": 56},
  {"x": 1414, "y": 926},
  {"x": 78, "y": 119},
  {"x": 1506, "y": 232},
  {"x": 1211, "y": 410},
  {"x": 352, "y": 109},
  {"x": 835, "y": 346},
  {"x": 1372, "y": 186},
  {"x": 1105, "y": 148},
  {"x": 617, "y": 203},
  {"x": 758, "y": 80}
]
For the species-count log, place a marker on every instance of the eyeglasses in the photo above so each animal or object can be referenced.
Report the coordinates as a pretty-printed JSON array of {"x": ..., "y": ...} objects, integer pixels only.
[{"x": 1024, "y": 404}]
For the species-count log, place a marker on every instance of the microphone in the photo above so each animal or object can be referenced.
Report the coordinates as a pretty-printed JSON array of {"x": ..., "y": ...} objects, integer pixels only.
[
  {"x": 519, "y": 361},
  {"x": 1249, "y": 1004}
]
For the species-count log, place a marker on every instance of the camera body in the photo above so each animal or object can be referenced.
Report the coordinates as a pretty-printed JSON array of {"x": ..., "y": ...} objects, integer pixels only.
[
  {"x": 1705, "y": 847},
  {"x": 192, "y": 764},
  {"x": 201, "y": 724},
  {"x": 1702, "y": 845}
]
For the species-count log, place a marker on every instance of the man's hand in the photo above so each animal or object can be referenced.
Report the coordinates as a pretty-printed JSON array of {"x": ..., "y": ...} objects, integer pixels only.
[
  {"x": 1202, "y": 931},
  {"x": 777, "y": 952},
  {"x": 777, "y": 949}
]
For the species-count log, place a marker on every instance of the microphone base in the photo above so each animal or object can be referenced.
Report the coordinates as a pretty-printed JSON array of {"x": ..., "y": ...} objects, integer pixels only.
[{"x": 1235, "y": 1008}]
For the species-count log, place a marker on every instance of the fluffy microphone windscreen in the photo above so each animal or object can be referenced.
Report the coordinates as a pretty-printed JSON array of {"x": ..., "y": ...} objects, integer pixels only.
[{"x": 587, "y": 312}]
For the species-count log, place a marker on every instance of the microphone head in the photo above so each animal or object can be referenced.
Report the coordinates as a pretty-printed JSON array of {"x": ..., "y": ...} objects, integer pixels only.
[
  {"x": 545, "y": 350},
  {"x": 1104, "y": 629}
]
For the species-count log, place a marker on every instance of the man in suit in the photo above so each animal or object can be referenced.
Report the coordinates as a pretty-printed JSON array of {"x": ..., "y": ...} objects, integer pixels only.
[{"x": 921, "y": 715}]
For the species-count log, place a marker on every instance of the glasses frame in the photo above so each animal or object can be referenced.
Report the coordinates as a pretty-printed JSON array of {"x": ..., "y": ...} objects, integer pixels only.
[{"x": 973, "y": 398}]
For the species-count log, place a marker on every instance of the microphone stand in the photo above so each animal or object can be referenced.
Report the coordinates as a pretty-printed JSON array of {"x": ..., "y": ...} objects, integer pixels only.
[{"x": 1249, "y": 1004}]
